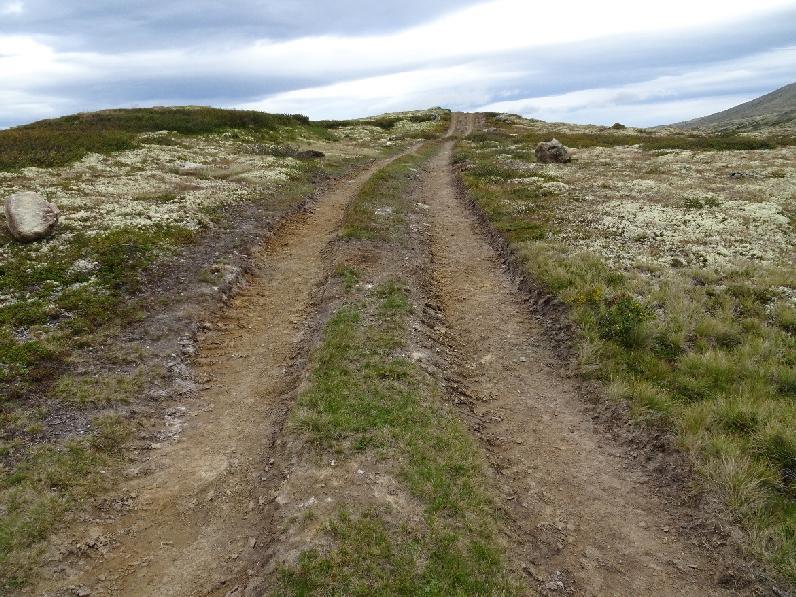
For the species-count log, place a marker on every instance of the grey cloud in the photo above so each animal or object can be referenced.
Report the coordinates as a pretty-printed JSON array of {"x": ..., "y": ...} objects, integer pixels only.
[
  {"x": 112, "y": 29},
  {"x": 610, "y": 62},
  {"x": 115, "y": 25}
]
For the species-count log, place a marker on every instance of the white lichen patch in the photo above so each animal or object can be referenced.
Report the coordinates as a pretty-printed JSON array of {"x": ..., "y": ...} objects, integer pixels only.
[
  {"x": 627, "y": 230},
  {"x": 149, "y": 186},
  {"x": 715, "y": 208},
  {"x": 175, "y": 181},
  {"x": 554, "y": 187},
  {"x": 408, "y": 125},
  {"x": 145, "y": 189}
]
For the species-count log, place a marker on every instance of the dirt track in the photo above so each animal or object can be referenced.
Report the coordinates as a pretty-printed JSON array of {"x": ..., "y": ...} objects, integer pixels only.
[{"x": 583, "y": 520}]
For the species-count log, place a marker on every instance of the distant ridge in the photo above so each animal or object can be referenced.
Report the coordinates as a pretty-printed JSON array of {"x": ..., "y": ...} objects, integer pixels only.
[{"x": 775, "y": 109}]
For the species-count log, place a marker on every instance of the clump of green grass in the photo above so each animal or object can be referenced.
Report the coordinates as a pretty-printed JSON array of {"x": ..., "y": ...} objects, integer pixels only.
[
  {"x": 349, "y": 275},
  {"x": 500, "y": 199},
  {"x": 37, "y": 494},
  {"x": 699, "y": 203},
  {"x": 620, "y": 320},
  {"x": 372, "y": 557},
  {"x": 93, "y": 390},
  {"x": 785, "y": 317},
  {"x": 364, "y": 397},
  {"x": 167, "y": 197},
  {"x": 709, "y": 354},
  {"x": 379, "y": 210},
  {"x": 66, "y": 302}
]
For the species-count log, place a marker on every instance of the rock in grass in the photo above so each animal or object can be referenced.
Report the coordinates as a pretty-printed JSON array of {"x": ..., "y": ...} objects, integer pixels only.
[
  {"x": 30, "y": 216},
  {"x": 549, "y": 152},
  {"x": 309, "y": 154}
]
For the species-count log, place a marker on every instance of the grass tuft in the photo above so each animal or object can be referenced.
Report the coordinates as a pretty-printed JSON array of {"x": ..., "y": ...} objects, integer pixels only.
[
  {"x": 379, "y": 209},
  {"x": 37, "y": 494},
  {"x": 364, "y": 396}
]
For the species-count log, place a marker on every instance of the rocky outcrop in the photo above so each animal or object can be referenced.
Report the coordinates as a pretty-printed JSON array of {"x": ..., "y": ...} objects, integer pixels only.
[
  {"x": 550, "y": 152},
  {"x": 30, "y": 216}
]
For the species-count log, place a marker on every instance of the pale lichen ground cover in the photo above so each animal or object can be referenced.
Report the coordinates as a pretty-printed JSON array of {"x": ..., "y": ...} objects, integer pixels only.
[
  {"x": 179, "y": 185},
  {"x": 680, "y": 208}
]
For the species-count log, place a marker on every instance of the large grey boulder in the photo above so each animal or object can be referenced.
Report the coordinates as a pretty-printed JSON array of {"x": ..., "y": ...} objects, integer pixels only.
[
  {"x": 30, "y": 216},
  {"x": 549, "y": 152}
]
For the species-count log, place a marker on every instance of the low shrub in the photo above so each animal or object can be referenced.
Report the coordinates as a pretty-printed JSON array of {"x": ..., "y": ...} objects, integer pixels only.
[{"x": 621, "y": 320}]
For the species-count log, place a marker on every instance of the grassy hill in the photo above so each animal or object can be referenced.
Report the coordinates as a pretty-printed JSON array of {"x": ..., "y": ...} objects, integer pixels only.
[{"x": 776, "y": 109}]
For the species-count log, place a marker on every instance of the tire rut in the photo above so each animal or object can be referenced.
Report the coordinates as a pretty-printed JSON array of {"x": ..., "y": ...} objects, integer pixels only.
[
  {"x": 198, "y": 503},
  {"x": 585, "y": 519}
]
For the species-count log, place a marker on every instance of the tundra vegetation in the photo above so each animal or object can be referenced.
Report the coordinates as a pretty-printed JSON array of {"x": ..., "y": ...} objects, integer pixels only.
[
  {"x": 136, "y": 189},
  {"x": 675, "y": 253}
]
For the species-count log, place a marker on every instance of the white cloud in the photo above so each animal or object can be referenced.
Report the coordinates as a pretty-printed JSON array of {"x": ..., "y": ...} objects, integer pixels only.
[
  {"x": 25, "y": 61},
  {"x": 501, "y": 26},
  {"x": 456, "y": 59},
  {"x": 479, "y": 31},
  {"x": 660, "y": 100},
  {"x": 13, "y": 8},
  {"x": 471, "y": 83}
]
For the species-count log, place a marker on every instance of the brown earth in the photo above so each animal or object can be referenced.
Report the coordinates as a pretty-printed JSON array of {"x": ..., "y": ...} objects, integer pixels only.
[
  {"x": 193, "y": 506},
  {"x": 202, "y": 514},
  {"x": 586, "y": 521}
]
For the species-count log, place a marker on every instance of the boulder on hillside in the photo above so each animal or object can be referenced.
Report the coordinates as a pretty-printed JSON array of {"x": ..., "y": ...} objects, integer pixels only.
[
  {"x": 550, "y": 152},
  {"x": 30, "y": 216}
]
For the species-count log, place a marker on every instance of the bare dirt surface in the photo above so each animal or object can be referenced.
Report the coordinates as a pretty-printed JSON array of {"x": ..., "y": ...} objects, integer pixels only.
[
  {"x": 582, "y": 518},
  {"x": 587, "y": 523},
  {"x": 193, "y": 507}
]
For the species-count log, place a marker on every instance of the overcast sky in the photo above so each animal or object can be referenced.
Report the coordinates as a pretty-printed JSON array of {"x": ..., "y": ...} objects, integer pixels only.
[{"x": 579, "y": 61}]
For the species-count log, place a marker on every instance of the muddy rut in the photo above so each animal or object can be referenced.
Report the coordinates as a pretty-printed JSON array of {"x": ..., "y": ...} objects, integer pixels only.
[{"x": 582, "y": 519}]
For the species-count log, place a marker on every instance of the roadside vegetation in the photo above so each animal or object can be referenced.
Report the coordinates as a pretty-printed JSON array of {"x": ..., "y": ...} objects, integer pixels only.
[
  {"x": 62, "y": 141},
  {"x": 676, "y": 257},
  {"x": 379, "y": 210},
  {"x": 532, "y": 132},
  {"x": 136, "y": 189},
  {"x": 421, "y": 124},
  {"x": 367, "y": 401}
]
